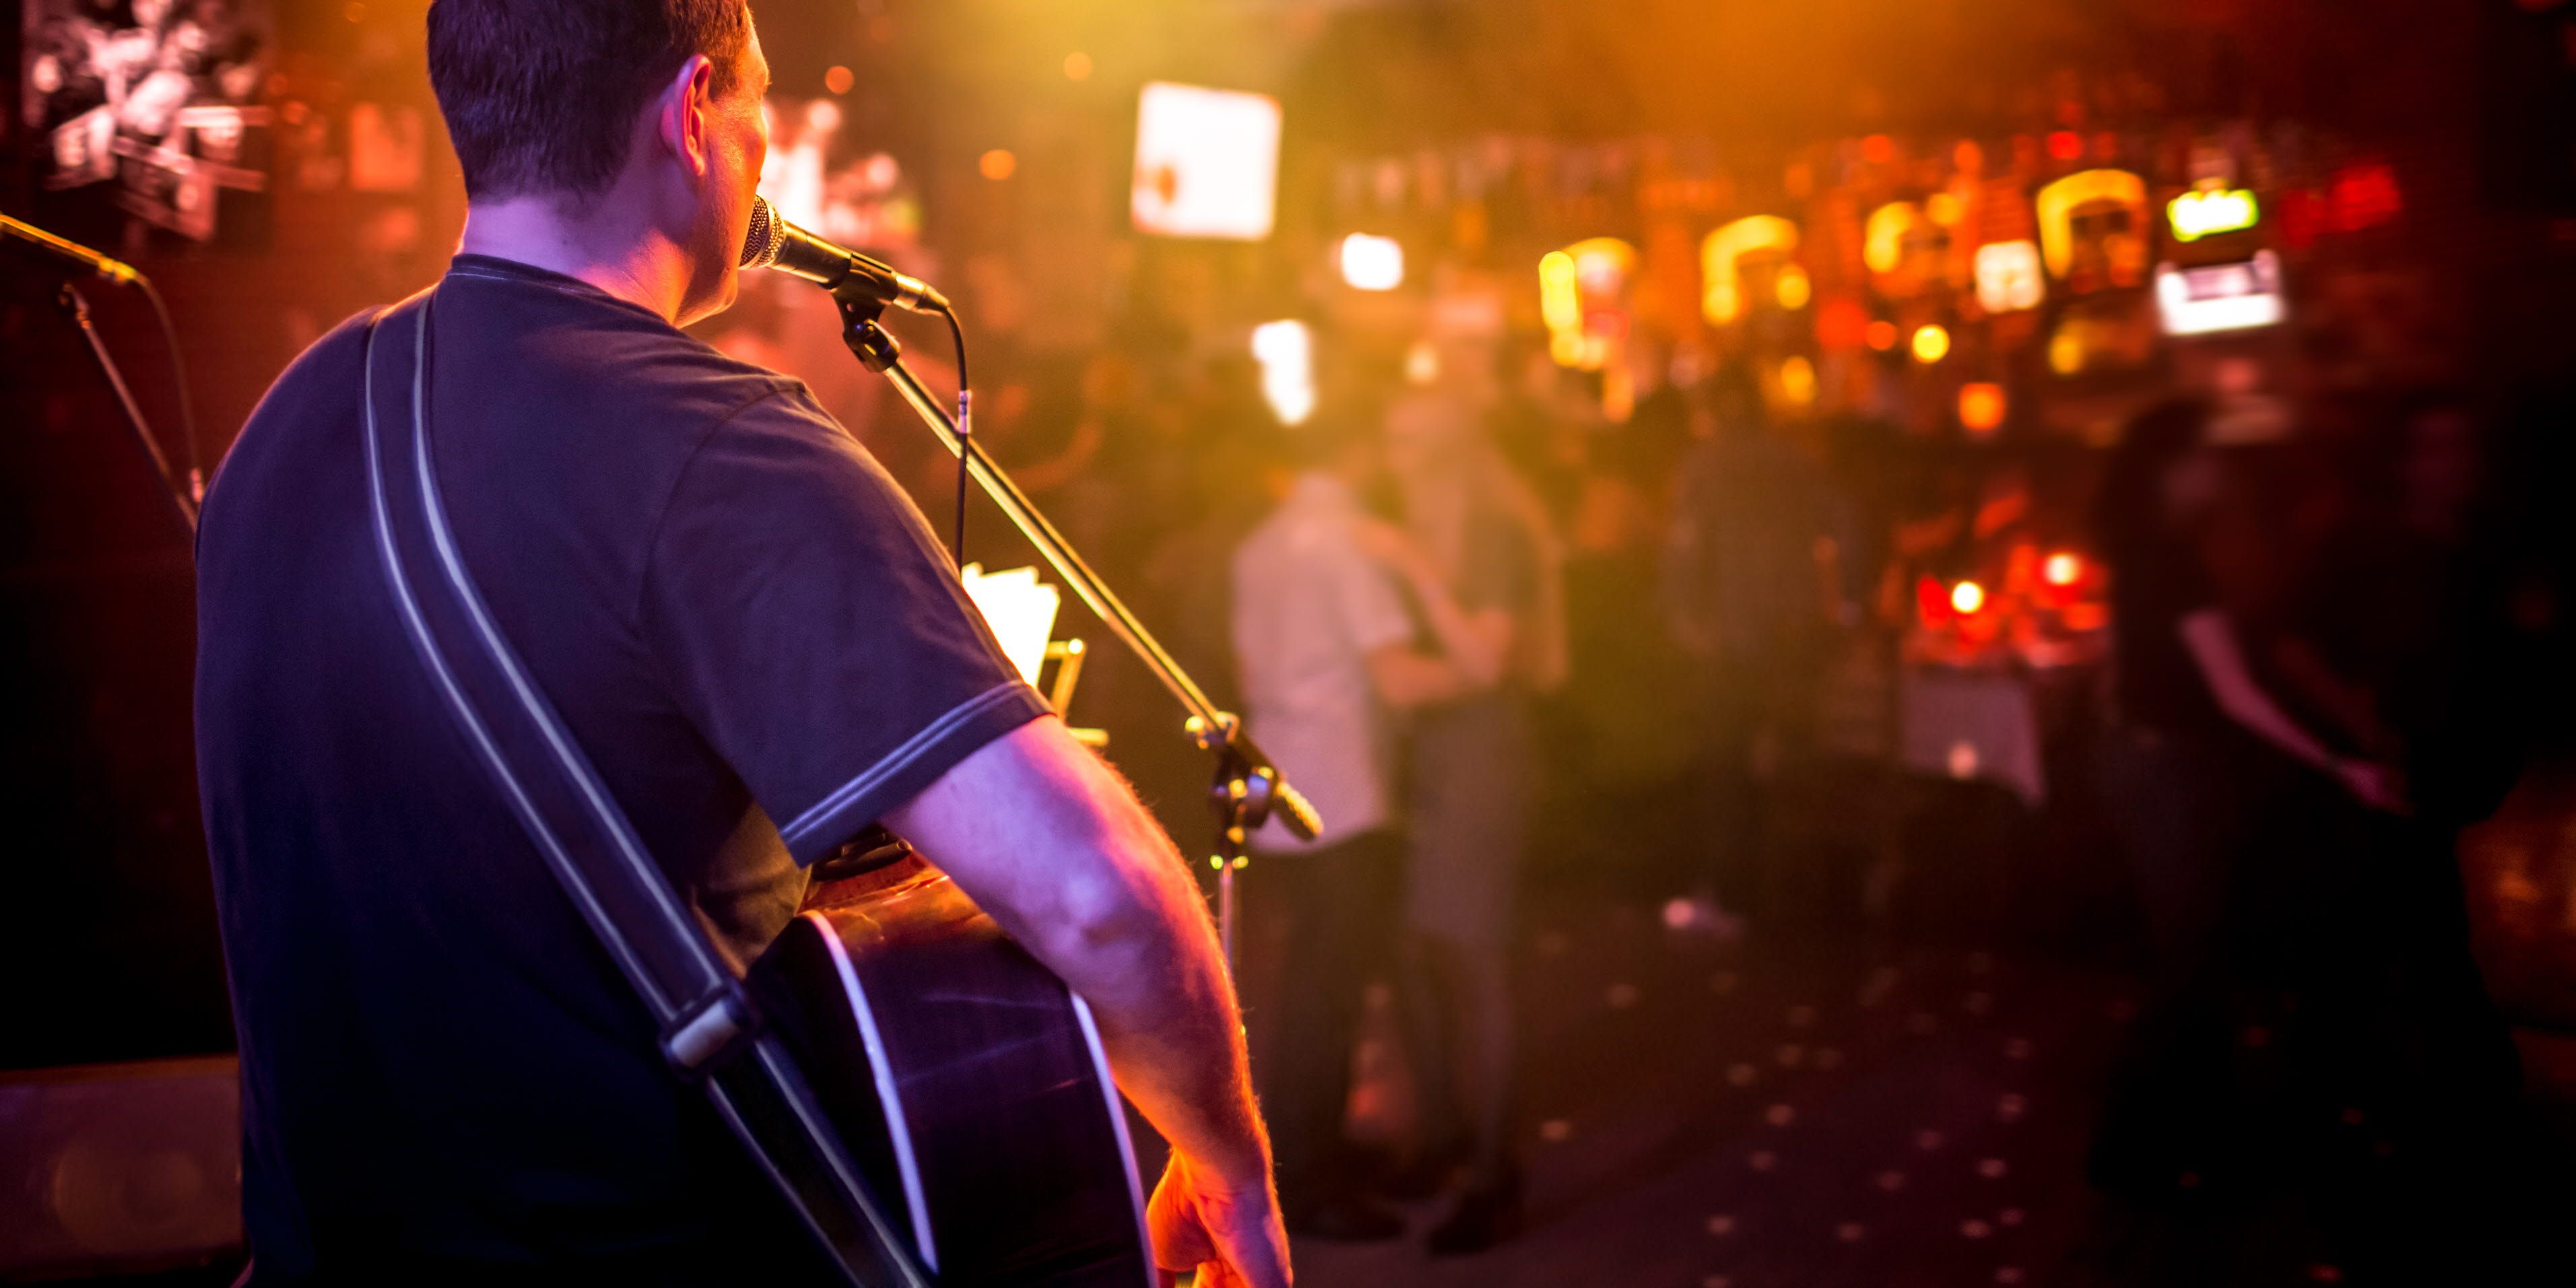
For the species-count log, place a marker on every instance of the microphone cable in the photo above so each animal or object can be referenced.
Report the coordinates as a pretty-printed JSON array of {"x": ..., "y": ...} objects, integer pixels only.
[
  {"x": 965, "y": 431},
  {"x": 196, "y": 481}
]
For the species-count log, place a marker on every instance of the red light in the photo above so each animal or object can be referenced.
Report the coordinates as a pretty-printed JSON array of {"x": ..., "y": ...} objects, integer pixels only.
[
  {"x": 2303, "y": 214},
  {"x": 2366, "y": 196},
  {"x": 2062, "y": 569},
  {"x": 1842, "y": 323},
  {"x": 1878, "y": 149},
  {"x": 1932, "y": 600},
  {"x": 2066, "y": 145}
]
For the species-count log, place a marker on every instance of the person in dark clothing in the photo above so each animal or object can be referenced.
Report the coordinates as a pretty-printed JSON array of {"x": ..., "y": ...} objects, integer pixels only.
[
  {"x": 1748, "y": 597},
  {"x": 1483, "y": 539},
  {"x": 757, "y": 642},
  {"x": 2317, "y": 1035}
]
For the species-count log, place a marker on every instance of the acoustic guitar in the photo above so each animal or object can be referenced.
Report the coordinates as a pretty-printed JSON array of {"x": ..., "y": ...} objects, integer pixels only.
[{"x": 967, "y": 1082}]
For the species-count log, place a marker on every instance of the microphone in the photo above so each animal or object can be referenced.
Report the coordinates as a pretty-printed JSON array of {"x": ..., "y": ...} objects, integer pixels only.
[
  {"x": 772, "y": 242},
  {"x": 113, "y": 270}
]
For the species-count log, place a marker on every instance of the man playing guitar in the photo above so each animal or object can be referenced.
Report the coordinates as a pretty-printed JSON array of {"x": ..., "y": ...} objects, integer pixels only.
[{"x": 751, "y": 632}]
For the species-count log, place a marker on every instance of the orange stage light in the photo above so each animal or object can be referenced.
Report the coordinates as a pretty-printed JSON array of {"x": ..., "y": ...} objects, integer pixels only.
[{"x": 1981, "y": 407}]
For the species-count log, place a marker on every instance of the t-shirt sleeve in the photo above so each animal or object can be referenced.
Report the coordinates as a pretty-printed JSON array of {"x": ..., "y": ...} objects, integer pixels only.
[{"x": 812, "y": 629}]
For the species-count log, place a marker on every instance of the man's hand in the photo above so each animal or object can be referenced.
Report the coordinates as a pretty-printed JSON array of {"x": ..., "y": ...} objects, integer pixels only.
[{"x": 1231, "y": 1236}]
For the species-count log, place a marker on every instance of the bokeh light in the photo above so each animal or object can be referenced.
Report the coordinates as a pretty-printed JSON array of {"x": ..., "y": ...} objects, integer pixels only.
[
  {"x": 1981, "y": 407},
  {"x": 1372, "y": 263}
]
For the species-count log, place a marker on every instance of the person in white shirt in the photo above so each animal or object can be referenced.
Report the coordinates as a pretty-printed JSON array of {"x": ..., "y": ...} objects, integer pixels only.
[{"x": 1325, "y": 644}]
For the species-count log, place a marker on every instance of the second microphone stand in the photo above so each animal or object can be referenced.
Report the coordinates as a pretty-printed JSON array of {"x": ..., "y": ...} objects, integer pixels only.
[{"x": 1248, "y": 788}]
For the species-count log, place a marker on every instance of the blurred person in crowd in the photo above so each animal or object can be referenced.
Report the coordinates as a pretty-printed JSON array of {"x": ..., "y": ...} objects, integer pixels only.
[
  {"x": 2170, "y": 800},
  {"x": 1481, "y": 536},
  {"x": 2318, "y": 1032},
  {"x": 1325, "y": 647},
  {"x": 1747, "y": 596},
  {"x": 1540, "y": 424}
]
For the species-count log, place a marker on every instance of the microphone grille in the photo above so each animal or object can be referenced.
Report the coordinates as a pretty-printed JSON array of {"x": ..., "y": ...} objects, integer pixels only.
[{"x": 760, "y": 241}]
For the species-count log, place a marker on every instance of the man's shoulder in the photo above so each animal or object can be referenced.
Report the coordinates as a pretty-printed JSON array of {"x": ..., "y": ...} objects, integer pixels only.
[
  {"x": 639, "y": 374},
  {"x": 323, "y": 380},
  {"x": 1302, "y": 550}
]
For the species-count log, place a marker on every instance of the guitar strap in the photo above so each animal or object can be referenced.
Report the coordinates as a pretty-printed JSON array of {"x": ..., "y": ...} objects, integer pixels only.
[{"x": 710, "y": 1031}]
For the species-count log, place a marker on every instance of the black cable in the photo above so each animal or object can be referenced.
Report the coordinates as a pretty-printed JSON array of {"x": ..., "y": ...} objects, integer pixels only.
[
  {"x": 196, "y": 480},
  {"x": 965, "y": 429}
]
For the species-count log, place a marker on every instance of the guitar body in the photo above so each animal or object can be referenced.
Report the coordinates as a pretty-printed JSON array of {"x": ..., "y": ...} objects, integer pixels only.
[{"x": 966, "y": 1080}]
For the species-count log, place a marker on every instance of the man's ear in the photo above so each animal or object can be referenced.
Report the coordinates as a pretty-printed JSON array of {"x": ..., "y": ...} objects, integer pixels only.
[{"x": 684, "y": 106}]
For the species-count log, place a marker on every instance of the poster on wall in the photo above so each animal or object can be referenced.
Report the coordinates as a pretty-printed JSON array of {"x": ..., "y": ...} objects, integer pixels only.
[{"x": 155, "y": 98}]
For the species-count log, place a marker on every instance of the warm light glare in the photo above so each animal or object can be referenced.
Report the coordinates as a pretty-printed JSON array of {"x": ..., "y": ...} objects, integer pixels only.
[
  {"x": 2009, "y": 278},
  {"x": 1880, "y": 335},
  {"x": 838, "y": 80},
  {"x": 2066, "y": 352},
  {"x": 1793, "y": 287},
  {"x": 1944, "y": 208},
  {"x": 1722, "y": 287},
  {"x": 1560, "y": 299},
  {"x": 2059, "y": 201},
  {"x": 1077, "y": 66},
  {"x": 1883, "y": 242},
  {"x": 997, "y": 164},
  {"x": 2195, "y": 215},
  {"x": 1286, "y": 352},
  {"x": 1797, "y": 381},
  {"x": 2062, "y": 569},
  {"x": 1931, "y": 343},
  {"x": 1372, "y": 263},
  {"x": 1981, "y": 407},
  {"x": 1967, "y": 598},
  {"x": 1422, "y": 363},
  {"x": 1597, "y": 268}
]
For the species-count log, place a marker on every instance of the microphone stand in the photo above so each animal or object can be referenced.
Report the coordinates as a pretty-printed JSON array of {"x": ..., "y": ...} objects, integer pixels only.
[
  {"x": 1248, "y": 788},
  {"x": 68, "y": 298}
]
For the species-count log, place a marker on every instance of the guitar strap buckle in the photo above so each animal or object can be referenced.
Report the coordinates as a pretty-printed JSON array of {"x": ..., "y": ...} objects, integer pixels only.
[{"x": 710, "y": 1030}]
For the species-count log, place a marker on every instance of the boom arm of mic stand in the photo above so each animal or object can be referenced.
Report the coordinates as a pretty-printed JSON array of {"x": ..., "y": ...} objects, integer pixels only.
[
  {"x": 1264, "y": 790},
  {"x": 75, "y": 306}
]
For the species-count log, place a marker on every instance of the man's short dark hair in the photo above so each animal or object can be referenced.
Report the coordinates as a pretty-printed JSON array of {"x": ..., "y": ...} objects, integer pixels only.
[{"x": 540, "y": 96}]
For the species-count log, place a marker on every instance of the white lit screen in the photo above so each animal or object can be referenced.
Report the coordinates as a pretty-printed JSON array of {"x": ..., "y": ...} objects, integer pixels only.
[{"x": 1207, "y": 162}]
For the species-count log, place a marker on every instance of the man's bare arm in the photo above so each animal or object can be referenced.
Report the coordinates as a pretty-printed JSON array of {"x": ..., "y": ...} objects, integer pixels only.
[
  {"x": 1405, "y": 679},
  {"x": 1050, "y": 842}
]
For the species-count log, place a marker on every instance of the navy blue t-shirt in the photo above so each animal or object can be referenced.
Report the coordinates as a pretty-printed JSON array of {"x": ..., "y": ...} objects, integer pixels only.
[{"x": 762, "y": 648}]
